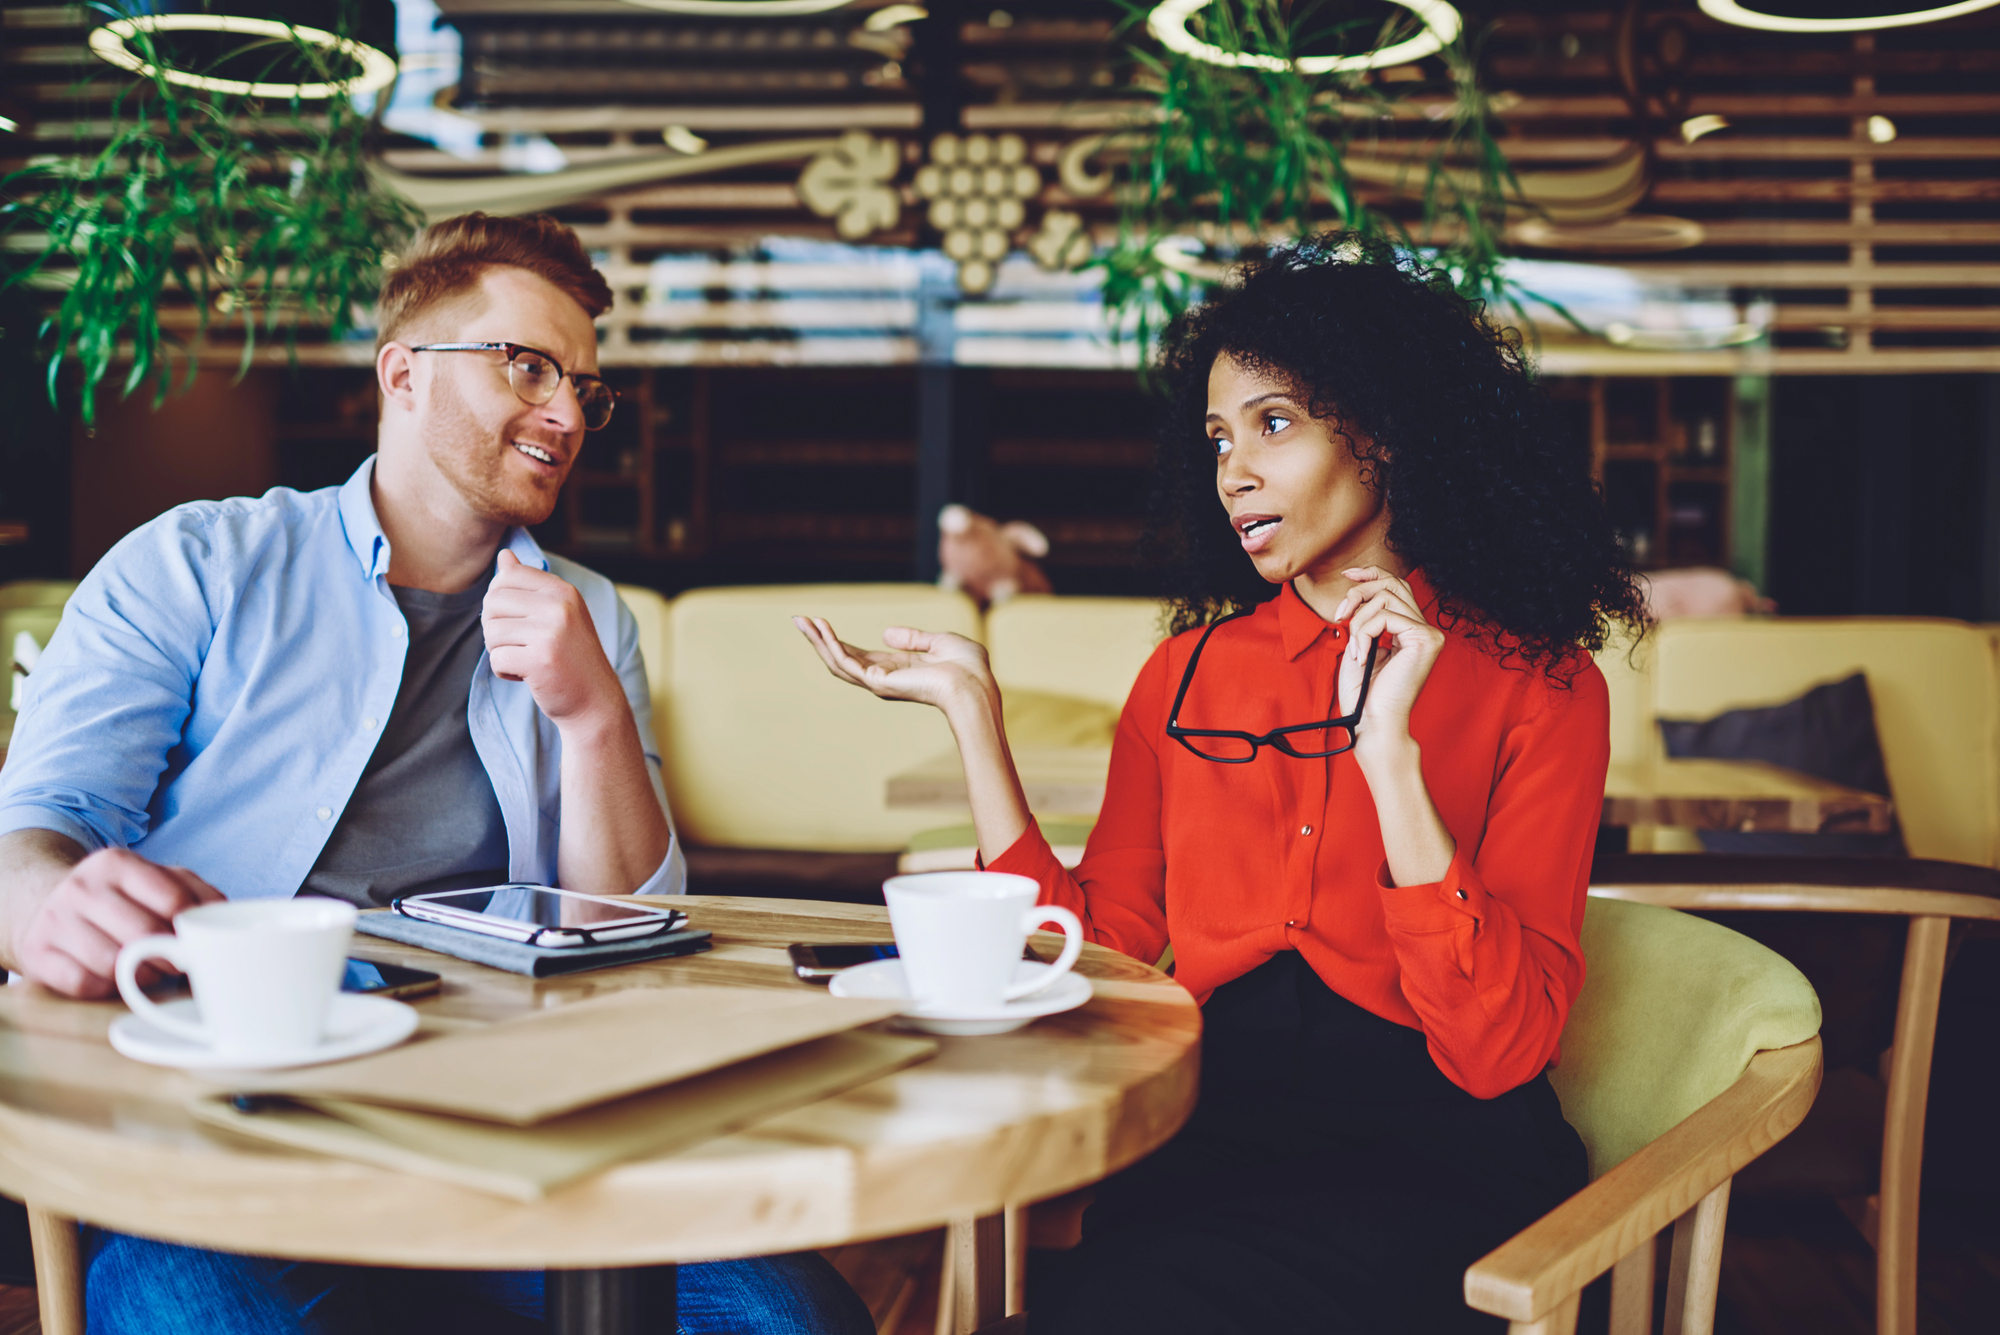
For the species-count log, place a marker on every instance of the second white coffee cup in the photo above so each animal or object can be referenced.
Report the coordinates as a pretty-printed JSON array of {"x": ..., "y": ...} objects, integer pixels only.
[
  {"x": 960, "y": 935},
  {"x": 264, "y": 972}
]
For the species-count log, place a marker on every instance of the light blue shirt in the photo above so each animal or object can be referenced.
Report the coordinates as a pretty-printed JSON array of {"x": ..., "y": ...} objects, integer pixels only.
[{"x": 221, "y": 677}]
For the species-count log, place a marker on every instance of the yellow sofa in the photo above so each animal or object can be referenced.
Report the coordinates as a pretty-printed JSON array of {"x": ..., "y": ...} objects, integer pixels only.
[
  {"x": 1933, "y": 683},
  {"x": 763, "y": 749}
]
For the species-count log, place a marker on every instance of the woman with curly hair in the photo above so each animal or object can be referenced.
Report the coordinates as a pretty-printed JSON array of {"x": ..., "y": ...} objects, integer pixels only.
[{"x": 1357, "y": 790}]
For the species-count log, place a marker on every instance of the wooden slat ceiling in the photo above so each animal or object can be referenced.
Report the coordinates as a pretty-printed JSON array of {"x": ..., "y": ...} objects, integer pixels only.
[{"x": 1864, "y": 255}]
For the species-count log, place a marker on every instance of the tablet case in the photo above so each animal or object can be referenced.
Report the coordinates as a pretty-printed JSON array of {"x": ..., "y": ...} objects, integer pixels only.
[{"x": 514, "y": 957}]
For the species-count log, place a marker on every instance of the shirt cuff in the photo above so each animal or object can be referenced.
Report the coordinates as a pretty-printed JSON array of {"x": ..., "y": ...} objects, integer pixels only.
[
  {"x": 1030, "y": 856},
  {"x": 671, "y": 878},
  {"x": 30, "y": 817},
  {"x": 1457, "y": 900}
]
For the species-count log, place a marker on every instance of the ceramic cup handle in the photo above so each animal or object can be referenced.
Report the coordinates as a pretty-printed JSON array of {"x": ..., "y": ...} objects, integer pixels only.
[
  {"x": 1072, "y": 947},
  {"x": 129, "y": 960}
]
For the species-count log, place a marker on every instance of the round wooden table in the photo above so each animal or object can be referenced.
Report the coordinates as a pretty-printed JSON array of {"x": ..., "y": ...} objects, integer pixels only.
[{"x": 987, "y": 1124}]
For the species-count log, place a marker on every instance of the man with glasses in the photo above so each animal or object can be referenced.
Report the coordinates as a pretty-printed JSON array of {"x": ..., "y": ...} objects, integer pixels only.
[{"x": 373, "y": 690}]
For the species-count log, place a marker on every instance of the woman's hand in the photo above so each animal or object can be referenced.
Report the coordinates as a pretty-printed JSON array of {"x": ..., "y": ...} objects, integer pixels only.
[
  {"x": 951, "y": 672},
  {"x": 930, "y": 667},
  {"x": 1384, "y": 613}
]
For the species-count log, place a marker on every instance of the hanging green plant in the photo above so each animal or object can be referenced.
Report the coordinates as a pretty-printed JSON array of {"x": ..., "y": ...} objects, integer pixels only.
[
  {"x": 1268, "y": 127},
  {"x": 211, "y": 200}
]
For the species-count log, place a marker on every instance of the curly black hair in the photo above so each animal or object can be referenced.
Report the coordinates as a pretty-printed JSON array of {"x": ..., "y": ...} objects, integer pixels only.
[{"x": 1484, "y": 493}]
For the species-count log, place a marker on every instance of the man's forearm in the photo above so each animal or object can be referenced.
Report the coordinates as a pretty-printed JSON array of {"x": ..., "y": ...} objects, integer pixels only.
[
  {"x": 32, "y": 864},
  {"x": 614, "y": 834}
]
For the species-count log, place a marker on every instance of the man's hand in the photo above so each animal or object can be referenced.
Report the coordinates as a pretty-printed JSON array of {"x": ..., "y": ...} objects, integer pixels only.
[
  {"x": 538, "y": 631},
  {"x": 109, "y": 899}
]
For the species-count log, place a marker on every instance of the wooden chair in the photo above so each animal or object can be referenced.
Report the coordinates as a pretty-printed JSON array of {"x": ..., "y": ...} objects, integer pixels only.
[
  {"x": 1690, "y": 1051},
  {"x": 1931, "y": 894}
]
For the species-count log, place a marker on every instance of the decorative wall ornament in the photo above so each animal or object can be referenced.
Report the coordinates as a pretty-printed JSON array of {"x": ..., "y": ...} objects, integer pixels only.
[
  {"x": 442, "y": 196},
  {"x": 849, "y": 183},
  {"x": 1061, "y": 243},
  {"x": 978, "y": 187},
  {"x": 108, "y": 43}
]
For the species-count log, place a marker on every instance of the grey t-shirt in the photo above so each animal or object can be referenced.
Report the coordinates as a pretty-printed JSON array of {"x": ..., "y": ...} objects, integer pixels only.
[{"x": 424, "y": 816}]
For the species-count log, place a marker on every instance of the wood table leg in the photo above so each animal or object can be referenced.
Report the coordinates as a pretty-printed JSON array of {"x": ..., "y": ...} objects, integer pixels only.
[
  {"x": 58, "y": 1272},
  {"x": 976, "y": 1251},
  {"x": 637, "y": 1301}
]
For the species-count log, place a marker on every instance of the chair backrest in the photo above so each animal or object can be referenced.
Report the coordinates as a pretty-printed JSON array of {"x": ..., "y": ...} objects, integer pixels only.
[
  {"x": 36, "y": 593},
  {"x": 1672, "y": 1009},
  {"x": 1627, "y": 676},
  {"x": 651, "y": 612},
  {"x": 1937, "y": 705},
  {"x": 763, "y": 748},
  {"x": 34, "y": 606},
  {"x": 1060, "y": 644}
]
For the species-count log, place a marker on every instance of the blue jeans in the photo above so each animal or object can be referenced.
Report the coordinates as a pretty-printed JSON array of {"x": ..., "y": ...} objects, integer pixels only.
[{"x": 141, "y": 1287}]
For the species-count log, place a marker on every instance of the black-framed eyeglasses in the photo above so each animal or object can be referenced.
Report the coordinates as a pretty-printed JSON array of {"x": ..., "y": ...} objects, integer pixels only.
[
  {"x": 536, "y": 377},
  {"x": 1228, "y": 747}
]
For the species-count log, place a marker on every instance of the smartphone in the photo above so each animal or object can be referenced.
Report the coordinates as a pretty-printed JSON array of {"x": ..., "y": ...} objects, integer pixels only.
[
  {"x": 377, "y": 979},
  {"x": 818, "y": 963},
  {"x": 541, "y": 915}
]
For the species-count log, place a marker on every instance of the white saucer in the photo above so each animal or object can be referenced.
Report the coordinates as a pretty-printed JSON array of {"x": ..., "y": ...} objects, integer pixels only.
[
  {"x": 883, "y": 981},
  {"x": 356, "y": 1025}
]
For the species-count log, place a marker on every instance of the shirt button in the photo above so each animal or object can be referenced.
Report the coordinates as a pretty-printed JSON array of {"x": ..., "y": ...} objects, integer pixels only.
[
  {"x": 368, "y": 722},
  {"x": 1291, "y": 922},
  {"x": 1305, "y": 829},
  {"x": 397, "y": 631},
  {"x": 324, "y": 812},
  {"x": 1461, "y": 894}
]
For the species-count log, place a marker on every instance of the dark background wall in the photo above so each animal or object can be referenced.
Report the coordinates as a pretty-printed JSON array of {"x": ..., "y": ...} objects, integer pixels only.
[{"x": 1886, "y": 496}]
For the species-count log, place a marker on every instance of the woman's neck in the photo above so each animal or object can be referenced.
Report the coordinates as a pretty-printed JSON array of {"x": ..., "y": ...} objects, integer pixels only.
[{"x": 1323, "y": 586}]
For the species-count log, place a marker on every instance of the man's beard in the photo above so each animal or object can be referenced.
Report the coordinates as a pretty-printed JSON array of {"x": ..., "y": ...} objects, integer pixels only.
[{"x": 466, "y": 451}]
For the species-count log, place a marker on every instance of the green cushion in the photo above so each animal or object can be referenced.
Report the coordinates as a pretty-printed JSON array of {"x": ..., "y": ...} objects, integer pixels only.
[
  {"x": 1673, "y": 1007},
  {"x": 1059, "y": 833}
]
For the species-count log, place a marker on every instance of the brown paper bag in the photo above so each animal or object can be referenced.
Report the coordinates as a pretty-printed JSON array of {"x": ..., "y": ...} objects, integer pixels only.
[
  {"x": 525, "y": 1163},
  {"x": 540, "y": 1066}
]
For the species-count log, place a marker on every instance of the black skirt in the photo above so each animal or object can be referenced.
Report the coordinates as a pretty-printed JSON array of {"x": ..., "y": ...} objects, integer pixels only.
[{"x": 1331, "y": 1179}]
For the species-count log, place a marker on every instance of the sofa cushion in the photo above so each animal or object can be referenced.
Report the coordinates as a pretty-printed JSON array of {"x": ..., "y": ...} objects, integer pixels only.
[{"x": 1829, "y": 733}]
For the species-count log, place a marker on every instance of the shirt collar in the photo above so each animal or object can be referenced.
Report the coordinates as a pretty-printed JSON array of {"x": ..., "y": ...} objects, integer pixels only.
[
  {"x": 370, "y": 544},
  {"x": 1299, "y": 627}
]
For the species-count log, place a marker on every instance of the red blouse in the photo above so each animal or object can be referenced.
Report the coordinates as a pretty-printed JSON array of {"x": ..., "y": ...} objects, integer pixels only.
[{"x": 1234, "y": 863}]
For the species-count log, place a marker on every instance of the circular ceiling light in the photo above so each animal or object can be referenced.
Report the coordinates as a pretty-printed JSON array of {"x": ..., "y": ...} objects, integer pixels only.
[
  {"x": 108, "y": 44},
  {"x": 1168, "y": 24},
  {"x": 1728, "y": 11},
  {"x": 740, "y": 9}
]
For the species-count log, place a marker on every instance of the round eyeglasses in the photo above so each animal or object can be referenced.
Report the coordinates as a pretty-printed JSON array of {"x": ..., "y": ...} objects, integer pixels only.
[{"x": 536, "y": 376}]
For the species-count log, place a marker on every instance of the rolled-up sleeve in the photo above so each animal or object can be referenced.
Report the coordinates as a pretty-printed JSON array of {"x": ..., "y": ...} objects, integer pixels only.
[{"x": 1490, "y": 954}]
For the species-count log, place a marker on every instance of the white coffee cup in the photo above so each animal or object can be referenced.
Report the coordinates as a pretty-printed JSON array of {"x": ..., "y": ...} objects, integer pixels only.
[
  {"x": 264, "y": 972},
  {"x": 960, "y": 935}
]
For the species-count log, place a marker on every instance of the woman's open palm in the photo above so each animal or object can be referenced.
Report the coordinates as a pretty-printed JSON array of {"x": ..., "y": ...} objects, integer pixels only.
[{"x": 927, "y": 666}]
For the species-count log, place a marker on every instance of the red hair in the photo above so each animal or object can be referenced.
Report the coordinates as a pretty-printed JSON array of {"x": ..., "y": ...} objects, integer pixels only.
[{"x": 448, "y": 258}]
